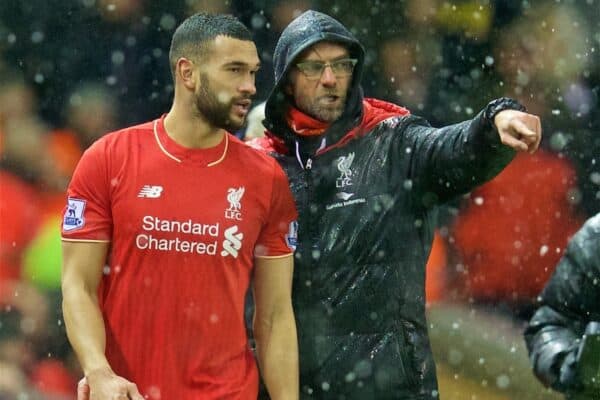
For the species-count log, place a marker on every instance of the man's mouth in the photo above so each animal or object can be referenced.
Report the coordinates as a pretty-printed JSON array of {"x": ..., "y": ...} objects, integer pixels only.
[
  {"x": 331, "y": 98},
  {"x": 241, "y": 107}
]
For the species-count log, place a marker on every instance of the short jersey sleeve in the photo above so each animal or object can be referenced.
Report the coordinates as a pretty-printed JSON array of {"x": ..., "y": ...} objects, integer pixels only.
[
  {"x": 279, "y": 235},
  {"x": 87, "y": 214}
]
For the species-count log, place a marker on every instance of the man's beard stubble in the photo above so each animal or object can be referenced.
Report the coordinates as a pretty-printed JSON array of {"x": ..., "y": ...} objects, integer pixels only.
[
  {"x": 214, "y": 111},
  {"x": 321, "y": 113}
]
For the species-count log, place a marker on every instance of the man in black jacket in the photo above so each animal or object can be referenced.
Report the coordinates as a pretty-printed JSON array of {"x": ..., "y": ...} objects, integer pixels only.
[
  {"x": 366, "y": 176},
  {"x": 562, "y": 357}
]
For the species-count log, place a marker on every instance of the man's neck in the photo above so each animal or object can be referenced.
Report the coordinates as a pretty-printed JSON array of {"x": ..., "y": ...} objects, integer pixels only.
[{"x": 191, "y": 131}]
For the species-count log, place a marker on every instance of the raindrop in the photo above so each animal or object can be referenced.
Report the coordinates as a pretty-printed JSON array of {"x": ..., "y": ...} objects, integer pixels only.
[
  {"x": 106, "y": 270},
  {"x": 595, "y": 178},
  {"x": 489, "y": 61},
  {"x": 37, "y": 37},
  {"x": 316, "y": 254},
  {"x": 478, "y": 200},
  {"x": 118, "y": 57},
  {"x": 130, "y": 41},
  {"x": 111, "y": 80},
  {"x": 325, "y": 386},
  {"x": 574, "y": 196},
  {"x": 39, "y": 78},
  {"x": 257, "y": 21},
  {"x": 556, "y": 112},
  {"x": 558, "y": 141},
  {"x": 167, "y": 22},
  {"x": 503, "y": 381},
  {"x": 11, "y": 38},
  {"x": 543, "y": 250}
]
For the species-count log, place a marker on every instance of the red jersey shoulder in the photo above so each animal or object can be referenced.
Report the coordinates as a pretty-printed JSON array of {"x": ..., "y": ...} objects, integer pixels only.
[{"x": 119, "y": 139}]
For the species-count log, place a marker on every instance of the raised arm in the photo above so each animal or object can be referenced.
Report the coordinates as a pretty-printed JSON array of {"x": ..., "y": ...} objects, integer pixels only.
[
  {"x": 82, "y": 270},
  {"x": 453, "y": 160},
  {"x": 275, "y": 326}
]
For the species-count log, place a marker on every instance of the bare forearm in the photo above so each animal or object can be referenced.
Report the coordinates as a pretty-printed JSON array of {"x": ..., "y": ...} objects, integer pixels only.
[
  {"x": 277, "y": 349},
  {"x": 85, "y": 327}
]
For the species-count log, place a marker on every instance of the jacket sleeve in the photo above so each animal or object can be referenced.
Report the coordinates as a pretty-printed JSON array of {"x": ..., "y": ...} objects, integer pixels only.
[
  {"x": 453, "y": 160},
  {"x": 569, "y": 301}
]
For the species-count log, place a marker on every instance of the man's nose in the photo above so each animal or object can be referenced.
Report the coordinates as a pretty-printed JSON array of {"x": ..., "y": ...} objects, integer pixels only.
[
  {"x": 328, "y": 78},
  {"x": 248, "y": 87}
]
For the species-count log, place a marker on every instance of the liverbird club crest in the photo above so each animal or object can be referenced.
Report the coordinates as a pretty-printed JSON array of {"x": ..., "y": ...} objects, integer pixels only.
[
  {"x": 234, "y": 197},
  {"x": 343, "y": 166}
]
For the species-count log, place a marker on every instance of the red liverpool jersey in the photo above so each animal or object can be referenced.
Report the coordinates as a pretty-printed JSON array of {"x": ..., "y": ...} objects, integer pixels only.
[{"x": 184, "y": 226}]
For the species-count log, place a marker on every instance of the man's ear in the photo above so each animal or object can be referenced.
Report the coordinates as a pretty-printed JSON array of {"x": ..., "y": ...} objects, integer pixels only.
[{"x": 185, "y": 72}]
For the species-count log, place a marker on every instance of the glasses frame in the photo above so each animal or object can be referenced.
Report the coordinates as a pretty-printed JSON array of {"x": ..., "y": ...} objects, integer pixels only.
[{"x": 331, "y": 64}]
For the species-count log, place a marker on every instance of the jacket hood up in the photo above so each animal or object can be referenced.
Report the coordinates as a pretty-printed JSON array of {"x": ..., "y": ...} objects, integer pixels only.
[{"x": 309, "y": 28}]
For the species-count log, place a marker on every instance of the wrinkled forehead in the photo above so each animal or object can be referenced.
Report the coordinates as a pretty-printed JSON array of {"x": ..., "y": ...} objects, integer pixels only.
[{"x": 323, "y": 51}]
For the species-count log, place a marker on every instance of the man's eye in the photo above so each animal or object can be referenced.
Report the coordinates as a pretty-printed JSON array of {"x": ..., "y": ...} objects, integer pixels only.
[
  {"x": 313, "y": 68},
  {"x": 235, "y": 69},
  {"x": 343, "y": 65}
]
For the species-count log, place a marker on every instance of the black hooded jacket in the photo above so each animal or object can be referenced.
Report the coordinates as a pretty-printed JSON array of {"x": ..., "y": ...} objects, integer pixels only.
[
  {"x": 366, "y": 220},
  {"x": 569, "y": 302}
]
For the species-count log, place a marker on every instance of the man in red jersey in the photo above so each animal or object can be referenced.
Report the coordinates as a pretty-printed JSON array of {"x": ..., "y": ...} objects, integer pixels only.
[{"x": 165, "y": 224}]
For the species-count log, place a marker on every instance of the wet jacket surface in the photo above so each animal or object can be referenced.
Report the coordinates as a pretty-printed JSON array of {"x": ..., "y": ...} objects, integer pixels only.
[
  {"x": 569, "y": 302},
  {"x": 366, "y": 203}
]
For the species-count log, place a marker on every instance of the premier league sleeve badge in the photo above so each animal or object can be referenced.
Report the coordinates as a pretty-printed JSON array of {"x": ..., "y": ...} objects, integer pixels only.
[{"x": 73, "y": 218}]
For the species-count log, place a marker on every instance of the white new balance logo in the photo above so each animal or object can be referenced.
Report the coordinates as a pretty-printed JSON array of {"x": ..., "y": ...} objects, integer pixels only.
[
  {"x": 232, "y": 242},
  {"x": 151, "y": 192}
]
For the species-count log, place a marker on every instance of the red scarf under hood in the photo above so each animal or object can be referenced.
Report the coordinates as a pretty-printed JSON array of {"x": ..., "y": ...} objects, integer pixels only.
[{"x": 374, "y": 111}]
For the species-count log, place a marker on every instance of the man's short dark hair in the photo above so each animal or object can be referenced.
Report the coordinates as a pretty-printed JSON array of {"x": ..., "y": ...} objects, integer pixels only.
[{"x": 193, "y": 37}]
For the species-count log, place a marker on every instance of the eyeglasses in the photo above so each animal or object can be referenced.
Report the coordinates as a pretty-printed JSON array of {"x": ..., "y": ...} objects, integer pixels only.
[{"x": 340, "y": 68}]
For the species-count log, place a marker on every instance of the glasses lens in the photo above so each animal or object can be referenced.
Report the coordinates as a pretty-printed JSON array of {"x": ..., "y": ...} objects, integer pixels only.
[
  {"x": 343, "y": 67},
  {"x": 311, "y": 69}
]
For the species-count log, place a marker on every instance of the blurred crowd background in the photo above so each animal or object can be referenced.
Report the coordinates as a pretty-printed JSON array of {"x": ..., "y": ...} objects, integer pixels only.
[{"x": 73, "y": 70}]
